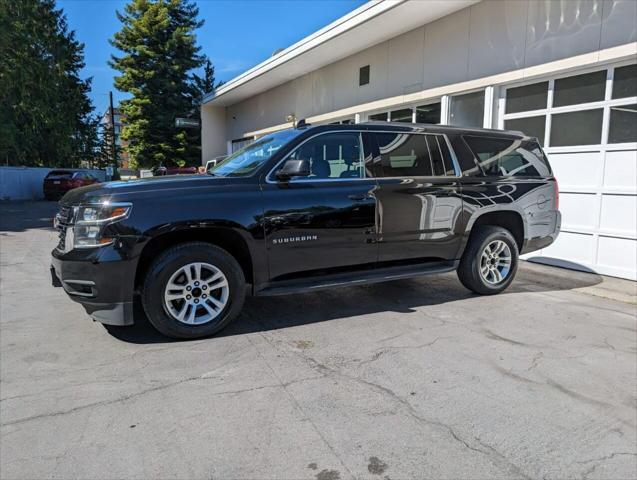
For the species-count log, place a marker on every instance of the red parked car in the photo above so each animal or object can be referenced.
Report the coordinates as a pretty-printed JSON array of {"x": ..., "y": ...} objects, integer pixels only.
[
  {"x": 161, "y": 171},
  {"x": 58, "y": 182}
]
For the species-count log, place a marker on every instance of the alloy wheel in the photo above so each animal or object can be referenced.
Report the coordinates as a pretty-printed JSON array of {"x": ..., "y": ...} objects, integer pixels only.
[
  {"x": 495, "y": 262},
  {"x": 196, "y": 293}
]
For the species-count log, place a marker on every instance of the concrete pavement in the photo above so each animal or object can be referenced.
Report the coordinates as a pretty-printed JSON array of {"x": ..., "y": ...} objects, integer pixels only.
[{"x": 409, "y": 379}]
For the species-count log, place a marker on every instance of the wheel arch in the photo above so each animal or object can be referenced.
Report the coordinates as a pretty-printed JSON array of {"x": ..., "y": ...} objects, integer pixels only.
[
  {"x": 225, "y": 237},
  {"x": 510, "y": 219}
]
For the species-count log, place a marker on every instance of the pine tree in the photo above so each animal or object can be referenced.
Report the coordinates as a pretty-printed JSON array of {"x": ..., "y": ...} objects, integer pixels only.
[
  {"x": 206, "y": 84},
  {"x": 104, "y": 156},
  {"x": 46, "y": 116},
  {"x": 159, "y": 49}
]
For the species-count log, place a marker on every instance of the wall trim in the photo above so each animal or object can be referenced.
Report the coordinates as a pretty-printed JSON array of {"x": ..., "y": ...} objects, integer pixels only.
[{"x": 598, "y": 57}]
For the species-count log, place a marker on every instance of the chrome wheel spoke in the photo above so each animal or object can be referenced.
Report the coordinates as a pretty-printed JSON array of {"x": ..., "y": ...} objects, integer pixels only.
[
  {"x": 191, "y": 315},
  {"x": 209, "y": 308},
  {"x": 217, "y": 303},
  {"x": 497, "y": 275},
  {"x": 196, "y": 269},
  {"x": 182, "y": 313},
  {"x": 217, "y": 284},
  {"x": 175, "y": 296}
]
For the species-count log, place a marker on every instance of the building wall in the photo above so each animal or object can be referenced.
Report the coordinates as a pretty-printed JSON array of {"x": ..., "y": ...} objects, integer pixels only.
[
  {"x": 488, "y": 38},
  {"x": 485, "y": 51}
]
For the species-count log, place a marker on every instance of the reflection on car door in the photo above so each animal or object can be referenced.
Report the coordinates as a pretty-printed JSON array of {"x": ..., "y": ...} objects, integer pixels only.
[
  {"x": 327, "y": 222},
  {"x": 418, "y": 198}
]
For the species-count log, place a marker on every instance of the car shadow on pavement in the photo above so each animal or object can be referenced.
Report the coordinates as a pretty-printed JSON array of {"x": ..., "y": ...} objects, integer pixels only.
[
  {"x": 272, "y": 313},
  {"x": 401, "y": 296}
]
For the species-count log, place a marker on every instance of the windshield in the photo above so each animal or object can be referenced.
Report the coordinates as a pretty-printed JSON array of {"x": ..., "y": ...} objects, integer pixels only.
[{"x": 246, "y": 161}]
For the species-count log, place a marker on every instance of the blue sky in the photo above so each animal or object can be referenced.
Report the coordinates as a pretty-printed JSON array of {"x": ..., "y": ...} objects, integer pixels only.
[{"x": 237, "y": 34}]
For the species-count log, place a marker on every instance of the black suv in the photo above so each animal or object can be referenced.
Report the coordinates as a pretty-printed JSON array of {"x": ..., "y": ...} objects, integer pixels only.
[{"x": 303, "y": 209}]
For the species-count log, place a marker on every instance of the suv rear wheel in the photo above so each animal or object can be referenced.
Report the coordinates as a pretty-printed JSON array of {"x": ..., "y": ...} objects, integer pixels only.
[
  {"x": 490, "y": 261},
  {"x": 193, "y": 290}
]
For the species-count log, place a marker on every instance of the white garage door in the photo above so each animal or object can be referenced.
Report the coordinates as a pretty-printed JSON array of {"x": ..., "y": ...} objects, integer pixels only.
[{"x": 588, "y": 123}]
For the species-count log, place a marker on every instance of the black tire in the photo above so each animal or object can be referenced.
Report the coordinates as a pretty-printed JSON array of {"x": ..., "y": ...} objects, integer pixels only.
[
  {"x": 170, "y": 262},
  {"x": 470, "y": 263}
]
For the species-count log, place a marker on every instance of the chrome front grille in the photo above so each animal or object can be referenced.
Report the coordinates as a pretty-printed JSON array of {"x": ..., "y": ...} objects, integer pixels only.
[{"x": 63, "y": 220}]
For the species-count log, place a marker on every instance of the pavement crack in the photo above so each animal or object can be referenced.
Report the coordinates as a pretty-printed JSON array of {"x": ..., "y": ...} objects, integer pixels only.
[
  {"x": 482, "y": 448},
  {"x": 144, "y": 392},
  {"x": 296, "y": 402},
  {"x": 597, "y": 461}
]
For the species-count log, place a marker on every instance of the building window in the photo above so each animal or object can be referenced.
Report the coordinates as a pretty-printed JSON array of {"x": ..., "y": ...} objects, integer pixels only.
[
  {"x": 528, "y": 97},
  {"x": 570, "y": 120},
  {"x": 623, "y": 124},
  {"x": 239, "y": 143},
  {"x": 625, "y": 82},
  {"x": 577, "y": 128},
  {"x": 378, "y": 117},
  {"x": 586, "y": 88},
  {"x": 467, "y": 110},
  {"x": 531, "y": 126},
  {"x": 404, "y": 115},
  {"x": 363, "y": 75},
  {"x": 428, "y": 113}
]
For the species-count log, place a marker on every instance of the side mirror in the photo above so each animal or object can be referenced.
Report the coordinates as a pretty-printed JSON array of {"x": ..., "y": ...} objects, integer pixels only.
[{"x": 293, "y": 168}]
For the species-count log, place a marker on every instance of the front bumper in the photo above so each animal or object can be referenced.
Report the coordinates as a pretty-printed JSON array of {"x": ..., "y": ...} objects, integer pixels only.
[{"x": 102, "y": 280}]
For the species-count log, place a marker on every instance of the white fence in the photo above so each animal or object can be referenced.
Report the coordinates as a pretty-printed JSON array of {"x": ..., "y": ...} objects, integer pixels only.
[{"x": 24, "y": 183}]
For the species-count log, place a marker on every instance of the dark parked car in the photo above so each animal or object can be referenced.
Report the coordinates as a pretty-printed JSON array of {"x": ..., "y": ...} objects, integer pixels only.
[
  {"x": 58, "y": 182},
  {"x": 305, "y": 209}
]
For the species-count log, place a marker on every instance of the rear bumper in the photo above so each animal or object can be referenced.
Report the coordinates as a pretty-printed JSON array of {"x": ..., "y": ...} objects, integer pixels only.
[
  {"x": 100, "y": 280},
  {"x": 54, "y": 191},
  {"x": 537, "y": 243}
]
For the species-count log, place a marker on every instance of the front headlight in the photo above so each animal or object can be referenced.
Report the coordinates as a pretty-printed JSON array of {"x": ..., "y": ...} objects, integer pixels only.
[{"x": 91, "y": 220}]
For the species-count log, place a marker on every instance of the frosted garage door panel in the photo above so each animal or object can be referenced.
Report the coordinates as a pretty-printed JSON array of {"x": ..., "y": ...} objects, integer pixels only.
[
  {"x": 621, "y": 169},
  {"x": 574, "y": 247},
  {"x": 576, "y": 169},
  {"x": 619, "y": 214},
  {"x": 578, "y": 210},
  {"x": 618, "y": 256}
]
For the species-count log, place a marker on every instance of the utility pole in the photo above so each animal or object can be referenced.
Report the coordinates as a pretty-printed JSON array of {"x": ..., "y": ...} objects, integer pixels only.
[{"x": 112, "y": 122}]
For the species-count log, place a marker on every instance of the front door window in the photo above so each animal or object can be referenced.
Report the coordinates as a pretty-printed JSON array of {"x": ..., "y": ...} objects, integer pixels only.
[{"x": 333, "y": 155}]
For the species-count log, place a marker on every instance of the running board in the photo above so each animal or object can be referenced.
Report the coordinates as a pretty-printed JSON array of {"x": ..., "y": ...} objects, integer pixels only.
[{"x": 364, "y": 277}]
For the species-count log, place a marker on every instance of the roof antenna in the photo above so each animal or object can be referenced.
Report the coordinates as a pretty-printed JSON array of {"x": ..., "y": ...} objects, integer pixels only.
[{"x": 302, "y": 123}]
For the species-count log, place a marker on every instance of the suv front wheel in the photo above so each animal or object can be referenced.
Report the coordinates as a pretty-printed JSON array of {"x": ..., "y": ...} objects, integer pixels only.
[
  {"x": 490, "y": 261},
  {"x": 193, "y": 290}
]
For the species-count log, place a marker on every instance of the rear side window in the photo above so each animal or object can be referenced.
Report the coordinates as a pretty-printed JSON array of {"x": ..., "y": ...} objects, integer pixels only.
[
  {"x": 59, "y": 174},
  {"x": 509, "y": 157},
  {"x": 414, "y": 155}
]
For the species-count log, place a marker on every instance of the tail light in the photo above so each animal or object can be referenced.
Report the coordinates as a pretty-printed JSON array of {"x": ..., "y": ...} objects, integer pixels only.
[{"x": 557, "y": 194}]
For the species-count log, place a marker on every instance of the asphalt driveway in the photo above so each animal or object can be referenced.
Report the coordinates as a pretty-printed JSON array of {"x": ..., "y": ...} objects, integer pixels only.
[{"x": 410, "y": 379}]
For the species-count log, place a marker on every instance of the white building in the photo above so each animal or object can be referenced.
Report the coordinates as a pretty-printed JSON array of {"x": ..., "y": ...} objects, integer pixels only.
[{"x": 562, "y": 70}]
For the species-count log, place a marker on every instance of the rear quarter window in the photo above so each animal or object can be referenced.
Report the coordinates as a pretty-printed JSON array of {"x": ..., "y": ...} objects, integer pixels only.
[
  {"x": 509, "y": 157},
  {"x": 59, "y": 174}
]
